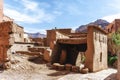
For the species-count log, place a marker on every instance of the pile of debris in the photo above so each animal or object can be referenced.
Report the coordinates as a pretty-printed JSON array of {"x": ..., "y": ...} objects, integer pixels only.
[{"x": 70, "y": 67}]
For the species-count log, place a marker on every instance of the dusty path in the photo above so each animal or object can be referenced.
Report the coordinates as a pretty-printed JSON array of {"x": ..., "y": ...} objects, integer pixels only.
[{"x": 37, "y": 69}]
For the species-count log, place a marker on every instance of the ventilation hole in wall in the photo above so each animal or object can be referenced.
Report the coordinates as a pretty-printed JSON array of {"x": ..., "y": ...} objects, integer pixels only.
[{"x": 101, "y": 57}]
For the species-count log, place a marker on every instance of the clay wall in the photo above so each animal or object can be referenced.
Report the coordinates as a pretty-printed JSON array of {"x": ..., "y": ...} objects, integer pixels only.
[
  {"x": 18, "y": 33},
  {"x": 96, "y": 55},
  {"x": 5, "y": 30},
  {"x": 52, "y": 36}
]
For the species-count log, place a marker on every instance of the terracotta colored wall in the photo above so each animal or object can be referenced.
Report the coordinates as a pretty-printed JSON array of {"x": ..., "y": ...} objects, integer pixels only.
[
  {"x": 89, "y": 52},
  {"x": 40, "y": 41},
  {"x": 5, "y": 29},
  {"x": 1, "y": 10},
  {"x": 51, "y": 37},
  {"x": 96, "y": 55}
]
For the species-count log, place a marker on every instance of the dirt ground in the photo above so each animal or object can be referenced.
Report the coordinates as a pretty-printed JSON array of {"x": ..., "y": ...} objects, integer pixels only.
[{"x": 35, "y": 68}]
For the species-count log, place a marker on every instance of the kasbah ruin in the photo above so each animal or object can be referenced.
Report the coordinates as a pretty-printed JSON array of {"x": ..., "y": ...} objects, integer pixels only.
[{"x": 62, "y": 53}]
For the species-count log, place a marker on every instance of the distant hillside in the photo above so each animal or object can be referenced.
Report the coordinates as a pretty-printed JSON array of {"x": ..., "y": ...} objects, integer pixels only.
[
  {"x": 100, "y": 22},
  {"x": 36, "y": 35}
]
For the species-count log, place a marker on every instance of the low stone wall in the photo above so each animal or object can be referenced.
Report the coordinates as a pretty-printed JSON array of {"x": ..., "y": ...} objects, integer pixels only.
[
  {"x": 20, "y": 47},
  {"x": 36, "y": 49}
]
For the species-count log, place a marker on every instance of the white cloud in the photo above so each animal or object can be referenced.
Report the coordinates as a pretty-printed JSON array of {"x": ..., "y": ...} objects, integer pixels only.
[
  {"x": 114, "y": 8},
  {"x": 31, "y": 12},
  {"x": 69, "y": 8},
  {"x": 30, "y": 5},
  {"x": 111, "y": 18}
]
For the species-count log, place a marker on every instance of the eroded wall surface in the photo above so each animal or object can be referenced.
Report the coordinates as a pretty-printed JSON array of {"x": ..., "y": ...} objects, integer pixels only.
[
  {"x": 18, "y": 33},
  {"x": 96, "y": 54},
  {"x": 5, "y": 29}
]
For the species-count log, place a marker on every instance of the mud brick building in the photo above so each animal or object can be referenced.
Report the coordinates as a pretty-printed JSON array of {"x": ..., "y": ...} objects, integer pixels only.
[
  {"x": 5, "y": 41},
  {"x": 17, "y": 33},
  {"x": 96, "y": 53},
  {"x": 93, "y": 44},
  {"x": 52, "y": 35}
]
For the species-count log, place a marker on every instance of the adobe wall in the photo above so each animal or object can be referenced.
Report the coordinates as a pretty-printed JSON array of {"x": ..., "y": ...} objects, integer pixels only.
[
  {"x": 5, "y": 30},
  {"x": 51, "y": 35},
  {"x": 20, "y": 47},
  {"x": 18, "y": 33},
  {"x": 61, "y": 36},
  {"x": 89, "y": 52},
  {"x": 26, "y": 38},
  {"x": 1, "y": 10},
  {"x": 96, "y": 54}
]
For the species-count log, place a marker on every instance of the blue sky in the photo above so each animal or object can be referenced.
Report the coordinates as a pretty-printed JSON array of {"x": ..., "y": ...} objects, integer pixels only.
[{"x": 42, "y": 15}]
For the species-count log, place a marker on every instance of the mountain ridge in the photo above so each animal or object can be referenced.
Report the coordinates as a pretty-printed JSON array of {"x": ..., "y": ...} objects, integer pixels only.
[
  {"x": 36, "y": 35},
  {"x": 100, "y": 22}
]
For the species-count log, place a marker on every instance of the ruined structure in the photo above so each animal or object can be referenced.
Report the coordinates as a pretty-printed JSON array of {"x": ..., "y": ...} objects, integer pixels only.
[
  {"x": 18, "y": 33},
  {"x": 38, "y": 41},
  {"x": 26, "y": 38},
  {"x": 52, "y": 36},
  {"x": 96, "y": 54},
  {"x": 5, "y": 41},
  {"x": 93, "y": 44}
]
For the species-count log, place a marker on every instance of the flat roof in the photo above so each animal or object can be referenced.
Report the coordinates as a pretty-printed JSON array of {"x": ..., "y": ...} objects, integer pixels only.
[{"x": 73, "y": 40}]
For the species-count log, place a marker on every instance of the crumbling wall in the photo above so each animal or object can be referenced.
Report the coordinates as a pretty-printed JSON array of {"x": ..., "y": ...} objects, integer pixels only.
[
  {"x": 21, "y": 47},
  {"x": 51, "y": 35},
  {"x": 96, "y": 54},
  {"x": 5, "y": 30},
  {"x": 60, "y": 35},
  {"x": 18, "y": 33}
]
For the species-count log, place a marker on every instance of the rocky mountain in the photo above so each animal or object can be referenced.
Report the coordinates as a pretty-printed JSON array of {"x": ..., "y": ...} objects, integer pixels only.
[
  {"x": 100, "y": 22},
  {"x": 36, "y": 35}
]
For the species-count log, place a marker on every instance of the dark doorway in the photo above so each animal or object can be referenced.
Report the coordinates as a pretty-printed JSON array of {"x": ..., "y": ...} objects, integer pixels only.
[{"x": 72, "y": 51}]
